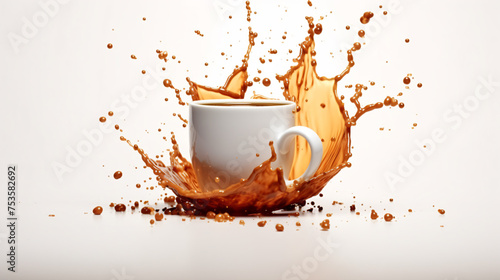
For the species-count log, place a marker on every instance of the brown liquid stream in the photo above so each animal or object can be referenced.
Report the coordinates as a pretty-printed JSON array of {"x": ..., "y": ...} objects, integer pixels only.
[{"x": 318, "y": 107}]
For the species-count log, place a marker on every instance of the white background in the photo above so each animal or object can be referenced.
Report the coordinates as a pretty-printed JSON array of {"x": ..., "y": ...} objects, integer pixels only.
[{"x": 60, "y": 77}]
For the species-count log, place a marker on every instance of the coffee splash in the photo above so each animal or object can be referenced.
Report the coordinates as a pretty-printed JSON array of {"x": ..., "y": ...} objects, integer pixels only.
[{"x": 318, "y": 107}]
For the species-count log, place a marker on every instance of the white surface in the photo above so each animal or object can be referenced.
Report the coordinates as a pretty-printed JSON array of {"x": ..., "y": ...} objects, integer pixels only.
[{"x": 63, "y": 78}]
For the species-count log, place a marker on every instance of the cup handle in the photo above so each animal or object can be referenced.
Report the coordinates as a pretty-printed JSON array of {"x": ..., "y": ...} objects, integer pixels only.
[{"x": 314, "y": 142}]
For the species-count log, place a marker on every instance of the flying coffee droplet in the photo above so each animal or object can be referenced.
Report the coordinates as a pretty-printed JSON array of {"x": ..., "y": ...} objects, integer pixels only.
[
  {"x": 318, "y": 29},
  {"x": 120, "y": 207},
  {"x": 110, "y": 46},
  {"x": 347, "y": 27},
  {"x": 158, "y": 217},
  {"x": 167, "y": 83},
  {"x": 97, "y": 210},
  {"x": 279, "y": 227},
  {"x": 388, "y": 217},
  {"x": 325, "y": 224},
  {"x": 266, "y": 82},
  {"x": 102, "y": 119},
  {"x": 419, "y": 85},
  {"x": 366, "y": 17},
  {"x": 361, "y": 33},
  {"x": 110, "y": 113},
  {"x": 441, "y": 211},
  {"x": 133, "y": 56},
  {"x": 406, "y": 80},
  {"x": 373, "y": 215},
  {"x": 117, "y": 175},
  {"x": 407, "y": 40}
]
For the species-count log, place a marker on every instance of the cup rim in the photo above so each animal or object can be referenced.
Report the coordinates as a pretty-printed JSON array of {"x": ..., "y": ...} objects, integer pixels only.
[{"x": 201, "y": 103}]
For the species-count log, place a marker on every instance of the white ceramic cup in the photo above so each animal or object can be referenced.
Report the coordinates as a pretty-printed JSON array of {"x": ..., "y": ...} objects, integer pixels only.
[{"x": 229, "y": 138}]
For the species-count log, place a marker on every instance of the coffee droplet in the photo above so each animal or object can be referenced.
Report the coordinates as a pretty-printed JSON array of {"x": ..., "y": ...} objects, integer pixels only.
[
  {"x": 441, "y": 211},
  {"x": 407, "y": 40},
  {"x": 97, "y": 210},
  {"x": 347, "y": 27},
  {"x": 117, "y": 175},
  {"x": 266, "y": 82},
  {"x": 388, "y": 217},
  {"x": 325, "y": 224},
  {"x": 318, "y": 29},
  {"x": 261, "y": 223},
  {"x": 120, "y": 207},
  {"x": 146, "y": 210},
  {"x": 169, "y": 199},
  {"x": 279, "y": 227},
  {"x": 366, "y": 17},
  {"x": 298, "y": 224},
  {"x": 158, "y": 217},
  {"x": 102, "y": 119},
  {"x": 110, "y": 46},
  {"x": 110, "y": 113},
  {"x": 133, "y": 56},
  {"x": 361, "y": 33},
  {"x": 419, "y": 85},
  {"x": 210, "y": 215},
  {"x": 152, "y": 221},
  {"x": 406, "y": 80},
  {"x": 374, "y": 215}
]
